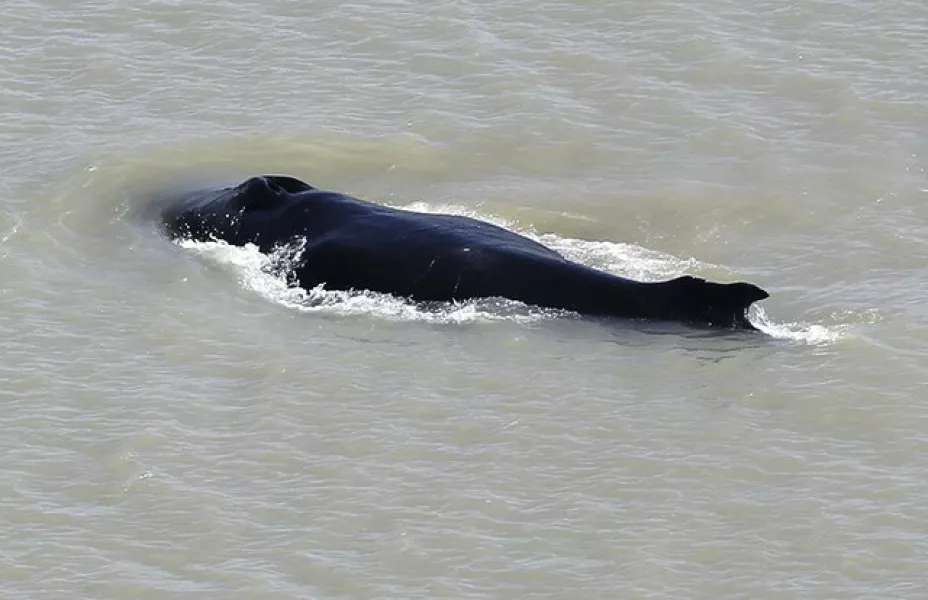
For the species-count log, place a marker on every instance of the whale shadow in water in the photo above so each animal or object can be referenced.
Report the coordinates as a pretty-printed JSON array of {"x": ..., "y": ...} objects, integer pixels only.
[{"x": 351, "y": 244}]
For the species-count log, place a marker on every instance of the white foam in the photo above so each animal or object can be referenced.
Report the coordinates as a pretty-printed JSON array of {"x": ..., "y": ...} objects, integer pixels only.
[
  {"x": 807, "y": 333},
  {"x": 626, "y": 260},
  {"x": 6, "y": 237},
  {"x": 267, "y": 276}
]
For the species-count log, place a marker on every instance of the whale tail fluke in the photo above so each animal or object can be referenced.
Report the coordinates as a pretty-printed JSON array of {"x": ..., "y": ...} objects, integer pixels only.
[{"x": 723, "y": 305}]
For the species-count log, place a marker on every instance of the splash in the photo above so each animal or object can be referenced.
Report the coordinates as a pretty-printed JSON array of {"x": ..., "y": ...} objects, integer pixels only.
[
  {"x": 806, "y": 333},
  {"x": 626, "y": 260},
  {"x": 268, "y": 275},
  {"x": 6, "y": 237}
]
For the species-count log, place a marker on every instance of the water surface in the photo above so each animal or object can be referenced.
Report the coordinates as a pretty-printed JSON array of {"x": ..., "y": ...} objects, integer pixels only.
[{"x": 178, "y": 423}]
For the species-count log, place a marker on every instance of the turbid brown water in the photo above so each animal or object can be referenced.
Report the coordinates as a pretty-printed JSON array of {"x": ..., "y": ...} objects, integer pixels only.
[{"x": 179, "y": 423}]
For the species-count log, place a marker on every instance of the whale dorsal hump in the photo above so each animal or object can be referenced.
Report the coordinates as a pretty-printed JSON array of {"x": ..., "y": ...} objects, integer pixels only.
[
  {"x": 269, "y": 191},
  {"x": 291, "y": 185}
]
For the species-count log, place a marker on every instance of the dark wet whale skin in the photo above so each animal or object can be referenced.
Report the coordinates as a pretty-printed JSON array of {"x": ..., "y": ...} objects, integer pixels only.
[{"x": 351, "y": 244}]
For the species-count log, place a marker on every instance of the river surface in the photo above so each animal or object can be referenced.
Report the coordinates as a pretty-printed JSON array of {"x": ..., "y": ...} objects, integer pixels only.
[{"x": 177, "y": 423}]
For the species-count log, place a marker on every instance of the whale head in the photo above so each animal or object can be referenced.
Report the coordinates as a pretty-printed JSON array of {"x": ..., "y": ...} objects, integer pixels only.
[{"x": 237, "y": 215}]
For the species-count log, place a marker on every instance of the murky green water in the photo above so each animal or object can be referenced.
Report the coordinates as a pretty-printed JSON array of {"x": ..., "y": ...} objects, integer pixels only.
[{"x": 179, "y": 424}]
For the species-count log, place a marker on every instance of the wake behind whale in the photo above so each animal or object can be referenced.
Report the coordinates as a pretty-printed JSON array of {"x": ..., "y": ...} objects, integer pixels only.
[{"x": 350, "y": 244}]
